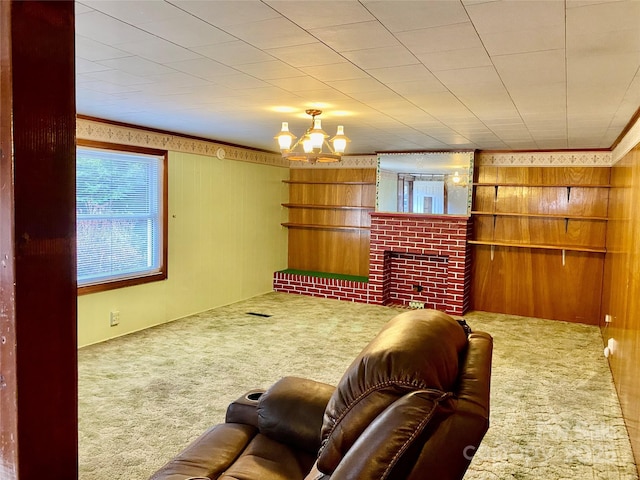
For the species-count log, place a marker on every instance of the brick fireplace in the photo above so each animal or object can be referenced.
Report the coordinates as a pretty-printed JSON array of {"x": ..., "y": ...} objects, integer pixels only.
[
  {"x": 412, "y": 258},
  {"x": 420, "y": 258}
]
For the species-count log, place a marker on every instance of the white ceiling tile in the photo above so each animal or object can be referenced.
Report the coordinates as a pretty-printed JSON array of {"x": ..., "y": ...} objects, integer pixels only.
[
  {"x": 336, "y": 71},
  {"x": 92, "y": 50},
  {"x": 604, "y": 17},
  {"x": 86, "y": 66},
  {"x": 105, "y": 87},
  {"x": 531, "y": 68},
  {"x": 269, "y": 70},
  {"x": 314, "y": 14},
  {"x": 400, "y": 16},
  {"x": 107, "y": 30},
  {"x": 172, "y": 82},
  {"x": 455, "y": 59},
  {"x": 358, "y": 85},
  {"x": 158, "y": 50},
  {"x": 441, "y": 39},
  {"x": 402, "y": 73},
  {"x": 298, "y": 84},
  {"x": 543, "y": 37},
  {"x": 272, "y": 33},
  {"x": 134, "y": 11},
  {"x": 473, "y": 78},
  {"x": 118, "y": 77},
  {"x": 356, "y": 36},
  {"x": 188, "y": 31},
  {"x": 233, "y": 53},
  {"x": 394, "y": 56},
  {"x": 418, "y": 87},
  {"x": 136, "y": 66},
  {"x": 491, "y": 17},
  {"x": 202, "y": 67},
  {"x": 310, "y": 54},
  {"x": 224, "y": 13}
]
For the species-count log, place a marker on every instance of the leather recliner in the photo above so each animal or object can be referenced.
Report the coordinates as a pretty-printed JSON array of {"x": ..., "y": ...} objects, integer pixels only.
[{"x": 413, "y": 405}]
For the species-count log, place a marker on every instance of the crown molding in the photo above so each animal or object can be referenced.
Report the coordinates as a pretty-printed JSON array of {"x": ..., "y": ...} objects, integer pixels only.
[
  {"x": 98, "y": 131},
  {"x": 628, "y": 142}
]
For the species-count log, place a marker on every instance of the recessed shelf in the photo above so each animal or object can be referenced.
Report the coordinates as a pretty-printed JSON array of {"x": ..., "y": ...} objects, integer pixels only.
[
  {"x": 324, "y": 227},
  {"x": 538, "y": 246}
]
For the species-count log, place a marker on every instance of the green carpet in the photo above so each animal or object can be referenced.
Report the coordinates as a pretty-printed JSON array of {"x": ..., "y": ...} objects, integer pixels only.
[{"x": 143, "y": 397}]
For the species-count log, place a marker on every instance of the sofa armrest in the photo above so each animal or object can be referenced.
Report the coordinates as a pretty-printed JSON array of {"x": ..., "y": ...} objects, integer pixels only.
[
  {"x": 245, "y": 409},
  {"x": 292, "y": 411}
]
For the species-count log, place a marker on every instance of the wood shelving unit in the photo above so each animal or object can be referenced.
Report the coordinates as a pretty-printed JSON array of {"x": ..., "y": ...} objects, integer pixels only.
[
  {"x": 539, "y": 240},
  {"x": 329, "y": 219},
  {"x": 513, "y": 204},
  {"x": 539, "y": 246},
  {"x": 324, "y": 227},
  {"x": 541, "y": 215},
  {"x": 326, "y": 207},
  {"x": 308, "y": 182}
]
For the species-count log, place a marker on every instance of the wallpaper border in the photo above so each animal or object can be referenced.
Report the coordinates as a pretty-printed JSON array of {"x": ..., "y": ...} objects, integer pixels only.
[
  {"x": 582, "y": 158},
  {"x": 105, "y": 132}
]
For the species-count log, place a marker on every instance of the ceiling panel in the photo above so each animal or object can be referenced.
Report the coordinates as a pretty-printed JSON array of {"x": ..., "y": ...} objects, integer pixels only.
[{"x": 408, "y": 75}]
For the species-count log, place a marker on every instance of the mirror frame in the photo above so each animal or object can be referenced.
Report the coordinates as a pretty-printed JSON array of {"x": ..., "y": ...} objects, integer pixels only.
[{"x": 469, "y": 172}]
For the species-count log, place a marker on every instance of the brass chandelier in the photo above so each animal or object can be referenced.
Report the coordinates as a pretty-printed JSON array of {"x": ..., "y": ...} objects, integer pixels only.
[{"x": 311, "y": 144}]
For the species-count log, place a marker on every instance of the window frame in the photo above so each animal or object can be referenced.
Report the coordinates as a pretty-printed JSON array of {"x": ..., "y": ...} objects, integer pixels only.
[{"x": 162, "y": 273}]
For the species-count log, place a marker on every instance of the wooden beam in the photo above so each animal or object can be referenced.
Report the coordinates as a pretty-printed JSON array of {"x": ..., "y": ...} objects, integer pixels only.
[{"x": 38, "y": 346}]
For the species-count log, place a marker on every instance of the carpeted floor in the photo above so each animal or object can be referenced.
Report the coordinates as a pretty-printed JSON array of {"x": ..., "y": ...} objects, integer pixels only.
[{"x": 143, "y": 397}]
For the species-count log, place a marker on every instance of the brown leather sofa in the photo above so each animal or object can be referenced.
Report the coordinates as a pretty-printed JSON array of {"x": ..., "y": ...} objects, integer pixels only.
[{"x": 413, "y": 405}]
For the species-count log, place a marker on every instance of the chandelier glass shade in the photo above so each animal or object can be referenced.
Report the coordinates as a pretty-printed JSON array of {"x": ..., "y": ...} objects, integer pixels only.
[{"x": 310, "y": 147}]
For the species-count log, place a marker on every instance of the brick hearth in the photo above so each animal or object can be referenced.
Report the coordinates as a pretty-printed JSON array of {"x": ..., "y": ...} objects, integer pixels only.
[{"x": 412, "y": 258}]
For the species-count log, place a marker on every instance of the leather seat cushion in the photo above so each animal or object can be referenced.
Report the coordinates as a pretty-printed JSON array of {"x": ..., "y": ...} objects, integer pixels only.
[
  {"x": 233, "y": 451},
  {"x": 266, "y": 459}
]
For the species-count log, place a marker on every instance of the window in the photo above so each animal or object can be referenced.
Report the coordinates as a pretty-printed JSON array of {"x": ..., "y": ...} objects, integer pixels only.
[{"x": 121, "y": 216}]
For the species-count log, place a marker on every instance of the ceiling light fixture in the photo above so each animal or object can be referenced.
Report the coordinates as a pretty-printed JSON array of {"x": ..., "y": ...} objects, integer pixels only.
[{"x": 312, "y": 142}]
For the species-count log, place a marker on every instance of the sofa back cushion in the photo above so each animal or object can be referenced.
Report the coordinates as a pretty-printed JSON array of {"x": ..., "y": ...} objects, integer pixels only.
[{"x": 417, "y": 350}]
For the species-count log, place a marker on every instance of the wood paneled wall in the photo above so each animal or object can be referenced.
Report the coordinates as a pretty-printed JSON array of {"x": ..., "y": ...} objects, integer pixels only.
[
  {"x": 621, "y": 294},
  {"x": 539, "y": 241},
  {"x": 329, "y": 219}
]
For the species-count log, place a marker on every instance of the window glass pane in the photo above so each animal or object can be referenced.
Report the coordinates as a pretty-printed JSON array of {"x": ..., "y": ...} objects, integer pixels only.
[{"x": 118, "y": 215}]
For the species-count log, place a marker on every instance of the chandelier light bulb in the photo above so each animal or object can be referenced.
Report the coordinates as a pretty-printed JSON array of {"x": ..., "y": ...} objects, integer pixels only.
[
  {"x": 285, "y": 137},
  {"x": 307, "y": 144},
  {"x": 317, "y": 134},
  {"x": 340, "y": 140}
]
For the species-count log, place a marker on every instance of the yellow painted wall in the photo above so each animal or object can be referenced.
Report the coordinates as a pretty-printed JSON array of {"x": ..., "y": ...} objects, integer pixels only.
[{"x": 225, "y": 242}]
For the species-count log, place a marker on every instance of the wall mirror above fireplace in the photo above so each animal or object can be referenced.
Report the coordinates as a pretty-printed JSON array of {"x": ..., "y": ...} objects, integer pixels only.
[{"x": 430, "y": 183}]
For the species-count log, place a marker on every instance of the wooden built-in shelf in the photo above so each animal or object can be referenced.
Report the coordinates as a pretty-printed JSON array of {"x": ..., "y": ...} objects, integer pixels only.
[
  {"x": 540, "y": 215},
  {"x": 539, "y": 246},
  {"x": 309, "y": 182},
  {"x": 324, "y": 227},
  {"x": 326, "y": 207},
  {"x": 542, "y": 185}
]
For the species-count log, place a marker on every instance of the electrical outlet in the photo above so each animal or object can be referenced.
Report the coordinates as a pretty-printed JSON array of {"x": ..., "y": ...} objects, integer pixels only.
[
  {"x": 416, "y": 304},
  {"x": 608, "y": 318},
  {"x": 114, "y": 318}
]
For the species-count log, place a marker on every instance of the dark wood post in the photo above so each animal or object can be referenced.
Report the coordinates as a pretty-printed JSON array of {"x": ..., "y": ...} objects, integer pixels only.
[{"x": 38, "y": 340}]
